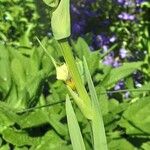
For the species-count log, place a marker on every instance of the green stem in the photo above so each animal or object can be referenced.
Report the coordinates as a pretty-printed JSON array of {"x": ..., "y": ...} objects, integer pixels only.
[{"x": 68, "y": 56}]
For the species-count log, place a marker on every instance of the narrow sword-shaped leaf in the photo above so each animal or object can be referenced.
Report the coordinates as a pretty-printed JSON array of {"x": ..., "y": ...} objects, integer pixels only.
[
  {"x": 98, "y": 129},
  {"x": 74, "y": 129}
]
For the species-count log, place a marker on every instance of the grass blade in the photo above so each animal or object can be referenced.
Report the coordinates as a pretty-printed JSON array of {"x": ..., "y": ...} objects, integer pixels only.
[
  {"x": 74, "y": 129},
  {"x": 98, "y": 129}
]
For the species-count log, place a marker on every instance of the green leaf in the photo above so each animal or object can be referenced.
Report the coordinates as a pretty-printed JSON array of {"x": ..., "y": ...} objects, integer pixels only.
[
  {"x": 81, "y": 104},
  {"x": 146, "y": 146},
  {"x": 33, "y": 119},
  {"x": 51, "y": 3},
  {"x": 18, "y": 73},
  {"x": 7, "y": 116},
  {"x": 5, "y": 76},
  {"x": 74, "y": 129},
  {"x": 60, "y": 20},
  {"x": 57, "y": 125},
  {"x": 103, "y": 99},
  {"x": 51, "y": 141},
  {"x": 82, "y": 49},
  {"x": 21, "y": 148},
  {"x": 121, "y": 72},
  {"x": 120, "y": 144},
  {"x": 98, "y": 129},
  {"x": 144, "y": 89},
  {"x": 18, "y": 138},
  {"x": 5, "y": 147},
  {"x": 136, "y": 118},
  {"x": 17, "y": 97}
]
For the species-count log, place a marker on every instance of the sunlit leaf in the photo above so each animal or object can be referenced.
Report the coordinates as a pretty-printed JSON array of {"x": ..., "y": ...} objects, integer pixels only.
[
  {"x": 60, "y": 20},
  {"x": 74, "y": 129}
]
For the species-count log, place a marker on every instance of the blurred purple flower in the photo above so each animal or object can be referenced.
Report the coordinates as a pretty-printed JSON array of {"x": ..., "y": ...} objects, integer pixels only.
[
  {"x": 123, "y": 53},
  {"x": 116, "y": 63},
  {"x": 74, "y": 9},
  {"x": 90, "y": 1},
  {"x": 139, "y": 2},
  {"x": 111, "y": 61},
  {"x": 100, "y": 40},
  {"x": 105, "y": 48},
  {"x": 127, "y": 95},
  {"x": 119, "y": 86},
  {"x": 126, "y": 16},
  {"x": 121, "y": 1},
  {"x": 108, "y": 60},
  {"x": 112, "y": 39},
  {"x": 129, "y": 3}
]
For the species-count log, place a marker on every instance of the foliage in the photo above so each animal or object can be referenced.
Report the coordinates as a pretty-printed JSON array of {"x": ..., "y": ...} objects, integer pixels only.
[{"x": 33, "y": 114}]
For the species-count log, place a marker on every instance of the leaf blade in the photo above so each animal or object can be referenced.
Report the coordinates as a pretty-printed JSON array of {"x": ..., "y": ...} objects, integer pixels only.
[{"x": 74, "y": 129}]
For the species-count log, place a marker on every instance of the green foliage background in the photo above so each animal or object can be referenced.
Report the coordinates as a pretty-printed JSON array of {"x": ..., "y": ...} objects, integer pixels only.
[{"x": 28, "y": 82}]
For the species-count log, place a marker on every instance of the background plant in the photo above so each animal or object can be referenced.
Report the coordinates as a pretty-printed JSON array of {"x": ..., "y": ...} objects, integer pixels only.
[{"x": 32, "y": 110}]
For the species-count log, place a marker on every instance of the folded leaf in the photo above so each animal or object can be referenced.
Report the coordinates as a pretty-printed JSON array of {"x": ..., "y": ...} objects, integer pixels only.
[{"x": 60, "y": 20}]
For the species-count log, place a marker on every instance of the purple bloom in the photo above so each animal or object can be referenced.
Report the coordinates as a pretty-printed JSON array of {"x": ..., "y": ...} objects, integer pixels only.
[
  {"x": 139, "y": 2},
  {"x": 126, "y": 16},
  {"x": 121, "y": 1},
  {"x": 116, "y": 63},
  {"x": 112, "y": 39},
  {"x": 119, "y": 86},
  {"x": 100, "y": 40},
  {"x": 123, "y": 53},
  {"x": 129, "y": 3},
  {"x": 90, "y": 1},
  {"x": 78, "y": 28},
  {"x": 108, "y": 60},
  {"x": 127, "y": 95},
  {"x": 105, "y": 48},
  {"x": 75, "y": 10}
]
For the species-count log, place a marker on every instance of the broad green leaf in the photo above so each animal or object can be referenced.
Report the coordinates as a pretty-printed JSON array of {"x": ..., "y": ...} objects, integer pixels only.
[
  {"x": 136, "y": 118},
  {"x": 57, "y": 125},
  {"x": 21, "y": 148},
  {"x": 74, "y": 129},
  {"x": 60, "y": 20},
  {"x": 33, "y": 119},
  {"x": 18, "y": 137},
  {"x": 146, "y": 146},
  {"x": 7, "y": 116},
  {"x": 103, "y": 99},
  {"x": 112, "y": 117},
  {"x": 34, "y": 63},
  {"x": 121, "y": 72},
  {"x": 5, "y": 76},
  {"x": 33, "y": 85},
  {"x": 120, "y": 144},
  {"x": 82, "y": 49},
  {"x": 51, "y": 141},
  {"x": 24, "y": 39},
  {"x": 144, "y": 89},
  {"x": 17, "y": 97},
  {"x": 18, "y": 73},
  {"x": 98, "y": 129},
  {"x": 5, "y": 147}
]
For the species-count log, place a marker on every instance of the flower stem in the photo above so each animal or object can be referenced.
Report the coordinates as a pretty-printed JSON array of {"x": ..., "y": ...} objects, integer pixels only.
[{"x": 68, "y": 56}]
